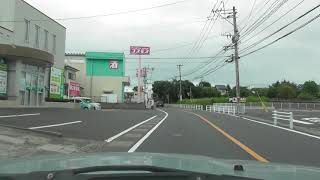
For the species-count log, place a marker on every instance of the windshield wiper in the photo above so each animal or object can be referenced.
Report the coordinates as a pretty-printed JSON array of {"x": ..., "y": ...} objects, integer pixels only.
[{"x": 125, "y": 168}]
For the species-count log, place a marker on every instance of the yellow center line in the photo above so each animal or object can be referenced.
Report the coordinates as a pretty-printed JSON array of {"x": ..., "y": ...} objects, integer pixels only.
[{"x": 234, "y": 140}]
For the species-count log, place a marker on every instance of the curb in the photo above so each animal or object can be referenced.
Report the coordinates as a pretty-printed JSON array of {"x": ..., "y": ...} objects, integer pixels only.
[{"x": 52, "y": 133}]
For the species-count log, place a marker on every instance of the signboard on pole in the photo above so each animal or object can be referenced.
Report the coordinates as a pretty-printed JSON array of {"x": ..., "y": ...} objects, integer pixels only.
[
  {"x": 74, "y": 89},
  {"x": 3, "y": 78},
  {"x": 56, "y": 83},
  {"x": 139, "y": 50}
]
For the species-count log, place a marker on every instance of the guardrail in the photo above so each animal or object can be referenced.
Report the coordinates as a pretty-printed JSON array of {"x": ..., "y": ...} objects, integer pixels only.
[
  {"x": 287, "y": 116},
  {"x": 231, "y": 110}
]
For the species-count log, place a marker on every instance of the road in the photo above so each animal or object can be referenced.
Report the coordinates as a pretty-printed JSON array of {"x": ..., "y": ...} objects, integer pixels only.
[{"x": 172, "y": 130}]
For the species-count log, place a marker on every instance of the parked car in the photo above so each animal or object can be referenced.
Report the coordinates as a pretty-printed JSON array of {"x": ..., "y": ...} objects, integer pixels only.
[
  {"x": 86, "y": 103},
  {"x": 160, "y": 104}
]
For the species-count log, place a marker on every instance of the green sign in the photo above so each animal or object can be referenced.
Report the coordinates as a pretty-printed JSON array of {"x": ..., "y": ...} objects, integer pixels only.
[
  {"x": 3, "y": 77},
  {"x": 56, "y": 83}
]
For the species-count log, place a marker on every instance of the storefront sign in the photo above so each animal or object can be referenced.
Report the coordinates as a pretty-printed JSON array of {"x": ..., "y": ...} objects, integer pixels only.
[
  {"x": 56, "y": 83},
  {"x": 113, "y": 64},
  {"x": 139, "y": 50},
  {"x": 74, "y": 89},
  {"x": 3, "y": 78}
]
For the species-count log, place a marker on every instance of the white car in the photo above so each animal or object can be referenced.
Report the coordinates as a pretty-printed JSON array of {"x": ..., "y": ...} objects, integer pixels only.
[{"x": 86, "y": 103}]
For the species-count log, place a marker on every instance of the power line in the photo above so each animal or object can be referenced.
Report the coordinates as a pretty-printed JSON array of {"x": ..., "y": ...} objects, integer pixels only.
[
  {"x": 203, "y": 30},
  {"x": 265, "y": 38},
  {"x": 201, "y": 57},
  {"x": 296, "y": 29},
  {"x": 105, "y": 15},
  {"x": 258, "y": 10},
  {"x": 272, "y": 9},
  {"x": 290, "y": 10}
]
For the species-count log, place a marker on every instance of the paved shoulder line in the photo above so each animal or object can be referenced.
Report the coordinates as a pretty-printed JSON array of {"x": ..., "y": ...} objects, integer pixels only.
[
  {"x": 135, "y": 147},
  {"x": 55, "y": 125},
  {"x": 279, "y": 127},
  {"x": 20, "y": 115},
  {"x": 127, "y": 130},
  {"x": 234, "y": 140}
]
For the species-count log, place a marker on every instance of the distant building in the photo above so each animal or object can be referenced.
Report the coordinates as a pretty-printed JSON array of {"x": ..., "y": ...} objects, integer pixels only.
[
  {"x": 101, "y": 74},
  {"x": 30, "y": 43},
  {"x": 222, "y": 89},
  {"x": 71, "y": 86}
]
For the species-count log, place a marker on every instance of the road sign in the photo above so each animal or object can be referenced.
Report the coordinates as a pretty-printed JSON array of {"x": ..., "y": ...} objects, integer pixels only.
[{"x": 139, "y": 50}]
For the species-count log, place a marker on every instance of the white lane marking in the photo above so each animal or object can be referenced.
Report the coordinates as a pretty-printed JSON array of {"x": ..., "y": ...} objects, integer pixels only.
[
  {"x": 127, "y": 130},
  {"x": 135, "y": 147},
  {"x": 55, "y": 125},
  {"x": 20, "y": 115},
  {"x": 291, "y": 130}
]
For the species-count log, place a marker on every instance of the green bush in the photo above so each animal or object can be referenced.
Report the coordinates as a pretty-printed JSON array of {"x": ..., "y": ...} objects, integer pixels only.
[
  {"x": 305, "y": 96},
  {"x": 220, "y": 100},
  {"x": 256, "y": 99}
]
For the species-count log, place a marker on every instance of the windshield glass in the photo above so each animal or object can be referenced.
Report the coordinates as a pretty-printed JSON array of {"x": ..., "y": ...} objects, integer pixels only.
[
  {"x": 211, "y": 86},
  {"x": 87, "y": 100}
]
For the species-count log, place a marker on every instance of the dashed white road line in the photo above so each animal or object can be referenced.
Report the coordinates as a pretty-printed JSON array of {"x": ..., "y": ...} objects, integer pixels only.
[
  {"x": 135, "y": 147},
  {"x": 20, "y": 115},
  {"x": 127, "y": 130},
  {"x": 55, "y": 125}
]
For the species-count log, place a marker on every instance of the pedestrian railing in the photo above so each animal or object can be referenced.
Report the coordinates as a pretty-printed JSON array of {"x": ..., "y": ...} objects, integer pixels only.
[
  {"x": 287, "y": 116},
  {"x": 225, "y": 109}
]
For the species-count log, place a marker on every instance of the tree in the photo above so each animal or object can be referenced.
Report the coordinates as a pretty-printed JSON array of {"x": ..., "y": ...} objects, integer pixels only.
[
  {"x": 283, "y": 90},
  {"x": 244, "y": 92},
  {"x": 311, "y": 88},
  {"x": 286, "y": 92},
  {"x": 204, "y": 84},
  {"x": 228, "y": 89}
]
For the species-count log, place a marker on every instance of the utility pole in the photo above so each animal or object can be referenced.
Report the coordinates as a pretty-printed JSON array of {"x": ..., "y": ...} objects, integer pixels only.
[
  {"x": 235, "y": 40},
  {"x": 180, "y": 91}
]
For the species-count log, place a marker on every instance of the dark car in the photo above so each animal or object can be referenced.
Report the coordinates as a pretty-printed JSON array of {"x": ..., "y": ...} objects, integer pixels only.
[{"x": 160, "y": 104}]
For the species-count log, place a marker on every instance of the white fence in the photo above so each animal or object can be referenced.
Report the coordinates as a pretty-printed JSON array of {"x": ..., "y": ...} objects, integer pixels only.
[
  {"x": 225, "y": 109},
  {"x": 287, "y": 116},
  {"x": 284, "y": 105}
]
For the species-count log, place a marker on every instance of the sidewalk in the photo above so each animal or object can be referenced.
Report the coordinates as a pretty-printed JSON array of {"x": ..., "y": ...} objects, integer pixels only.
[{"x": 15, "y": 143}]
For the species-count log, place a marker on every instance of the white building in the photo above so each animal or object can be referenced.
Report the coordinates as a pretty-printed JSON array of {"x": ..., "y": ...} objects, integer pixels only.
[{"x": 30, "y": 43}]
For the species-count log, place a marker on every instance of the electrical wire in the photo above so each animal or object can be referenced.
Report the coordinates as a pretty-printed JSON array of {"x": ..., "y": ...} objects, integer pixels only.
[
  {"x": 273, "y": 9},
  {"x": 267, "y": 37},
  {"x": 290, "y": 10},
  {"x": 105, "y": 15},
  {"x": 296, "y": 29}
]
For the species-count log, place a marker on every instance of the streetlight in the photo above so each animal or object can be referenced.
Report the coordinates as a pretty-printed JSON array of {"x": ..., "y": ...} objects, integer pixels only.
[{"x": 263, "y": 105}]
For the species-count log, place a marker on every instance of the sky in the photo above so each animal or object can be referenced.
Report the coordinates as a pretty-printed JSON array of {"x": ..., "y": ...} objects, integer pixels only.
[{"x": 174, "y": 31}]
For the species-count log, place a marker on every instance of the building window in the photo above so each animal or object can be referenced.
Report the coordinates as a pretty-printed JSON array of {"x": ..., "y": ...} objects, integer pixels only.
[
  {"x": 37, "y": 36},
  {"x": 54, "y": 43},
  {"x": 71, "y": 76},
  {"x": 46, "y": 39},
  {"x": 27, "y": 25}
]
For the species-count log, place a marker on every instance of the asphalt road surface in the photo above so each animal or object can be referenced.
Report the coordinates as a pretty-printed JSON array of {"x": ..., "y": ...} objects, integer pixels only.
[{"x": 174, "y": 131}]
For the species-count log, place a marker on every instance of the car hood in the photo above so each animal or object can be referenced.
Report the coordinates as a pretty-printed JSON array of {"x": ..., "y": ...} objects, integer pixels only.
[{"x": 202, "y": 164}]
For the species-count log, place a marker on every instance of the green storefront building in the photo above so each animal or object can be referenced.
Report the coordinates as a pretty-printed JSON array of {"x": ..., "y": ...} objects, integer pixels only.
[{"x": 102, "y": 76}]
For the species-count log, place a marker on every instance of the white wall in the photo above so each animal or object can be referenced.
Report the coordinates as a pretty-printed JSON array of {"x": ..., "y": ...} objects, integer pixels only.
[
  {"x": 7, "y": 13},
  {"x": 25, "y": 11}
]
